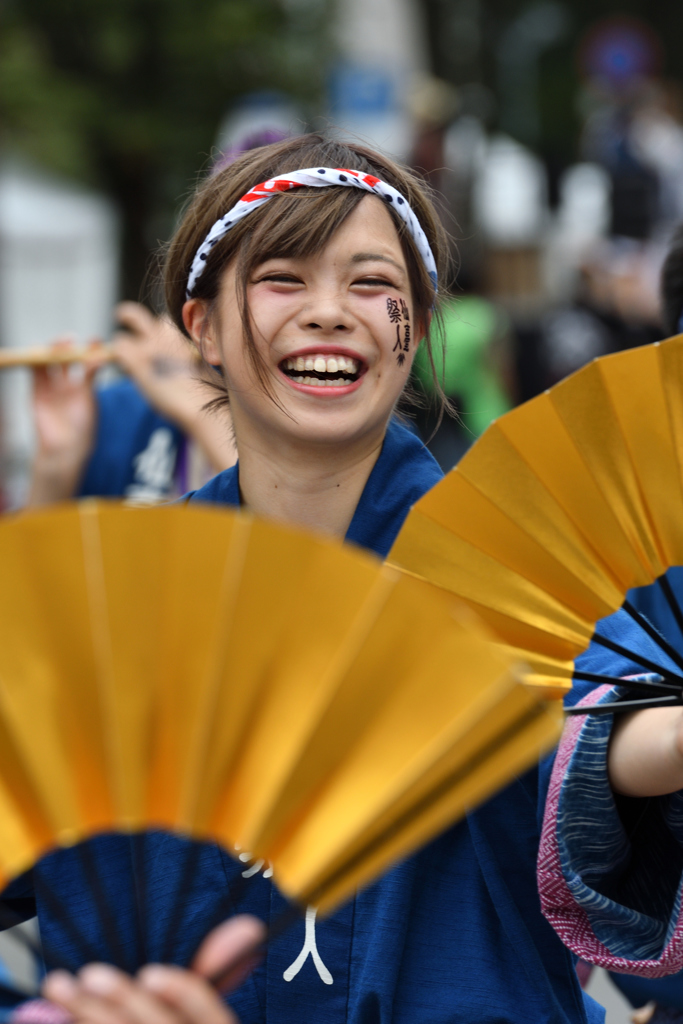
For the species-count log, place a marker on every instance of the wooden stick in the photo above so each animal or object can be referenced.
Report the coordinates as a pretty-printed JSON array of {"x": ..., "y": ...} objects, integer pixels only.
[{"x": 44, "y": 355}]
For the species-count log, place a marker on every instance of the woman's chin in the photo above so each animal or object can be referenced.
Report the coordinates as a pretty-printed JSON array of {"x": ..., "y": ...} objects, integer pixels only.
[
  {"x": 340, "y": 432},
  {"x": 302, "y": 419},
  {"x": 328, "y": 436}
]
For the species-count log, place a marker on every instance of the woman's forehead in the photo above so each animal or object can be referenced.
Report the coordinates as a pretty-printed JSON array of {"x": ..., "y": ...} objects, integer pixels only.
[
  {"x": 369, "y": 220},
  {"x": 368, "y": 230}
]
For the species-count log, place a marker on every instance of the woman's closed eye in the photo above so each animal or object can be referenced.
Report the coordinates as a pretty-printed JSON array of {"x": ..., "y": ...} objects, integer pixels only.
[
  {"x": 375, "y": 282},
  {"x": 288, "y": 279},
  {"x": 279, "y": 277}
]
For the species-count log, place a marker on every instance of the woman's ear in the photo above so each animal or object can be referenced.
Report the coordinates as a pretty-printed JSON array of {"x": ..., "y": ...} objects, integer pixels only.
[
  {"x": 423, "y": 326},
  {"x": 199, "y": 326}
]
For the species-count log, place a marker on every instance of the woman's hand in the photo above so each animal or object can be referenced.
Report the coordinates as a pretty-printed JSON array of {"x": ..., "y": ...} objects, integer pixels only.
[
  {"x": 64, "y": 415},
  {"x": 100, "y": 994},
  {"x": 646, "y": 752},
  {"x": 164, "y": 366}
]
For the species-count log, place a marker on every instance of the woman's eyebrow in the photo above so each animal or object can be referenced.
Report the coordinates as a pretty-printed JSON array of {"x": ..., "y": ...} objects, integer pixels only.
[{"x": 366, "y": 257}]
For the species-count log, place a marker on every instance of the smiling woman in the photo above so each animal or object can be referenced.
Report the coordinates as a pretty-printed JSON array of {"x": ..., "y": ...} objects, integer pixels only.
[
  {"x": 310, "y": 291},
  {"x": 298, "y": 221},
  {"x": 307, "y": 271},
  {"x": 336, "y": 304}
]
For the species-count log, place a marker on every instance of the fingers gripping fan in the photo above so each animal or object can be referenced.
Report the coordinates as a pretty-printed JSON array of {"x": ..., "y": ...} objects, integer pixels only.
[
  {"x": 196, "y": 671},
  {"x": 561, "y": 508}
]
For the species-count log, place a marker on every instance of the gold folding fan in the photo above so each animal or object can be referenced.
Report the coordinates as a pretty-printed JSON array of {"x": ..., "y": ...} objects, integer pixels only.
[
  {"x": 194, "y": 669},
  {"x": 561, "y": 507}
]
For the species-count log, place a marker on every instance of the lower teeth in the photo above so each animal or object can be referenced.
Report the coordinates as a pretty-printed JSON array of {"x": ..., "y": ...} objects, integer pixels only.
[{"x": 316, "y": 382}]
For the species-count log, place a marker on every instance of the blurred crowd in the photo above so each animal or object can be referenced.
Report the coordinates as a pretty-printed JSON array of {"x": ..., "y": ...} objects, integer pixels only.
[
  {"x": 543, "y": 288},
  {"x": 552, "y": 266},
  {"x": 538, "y": 290}
]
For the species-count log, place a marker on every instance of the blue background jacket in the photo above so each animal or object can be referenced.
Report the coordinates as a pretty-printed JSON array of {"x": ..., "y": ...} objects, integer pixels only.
[{"x": 136, "y": 451}]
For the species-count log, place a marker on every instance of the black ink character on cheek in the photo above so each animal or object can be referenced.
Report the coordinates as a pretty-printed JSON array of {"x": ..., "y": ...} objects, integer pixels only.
[
  {"x": 396, "y": 313},
  {"x": 393, "y": 311},
  {"x": 398, "y": 347}
]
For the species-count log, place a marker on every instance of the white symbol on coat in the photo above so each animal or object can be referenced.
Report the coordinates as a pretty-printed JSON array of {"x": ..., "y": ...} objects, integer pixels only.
[
  {"x": 154, "y": 466},
  {"x": 310, "y": 948}
]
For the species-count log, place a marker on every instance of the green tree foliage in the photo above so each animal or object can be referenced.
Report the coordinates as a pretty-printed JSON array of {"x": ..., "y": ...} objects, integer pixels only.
[{"x": 126, "y": 95}]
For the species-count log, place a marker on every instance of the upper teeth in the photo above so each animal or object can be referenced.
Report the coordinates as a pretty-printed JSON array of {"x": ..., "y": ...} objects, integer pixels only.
[{"x": 323, "y": 364}]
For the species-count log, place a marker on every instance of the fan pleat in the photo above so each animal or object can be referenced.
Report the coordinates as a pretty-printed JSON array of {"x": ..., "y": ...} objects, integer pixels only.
[
  {"x": 544, "y": 441},
  {"x": 443, "y": 557}
]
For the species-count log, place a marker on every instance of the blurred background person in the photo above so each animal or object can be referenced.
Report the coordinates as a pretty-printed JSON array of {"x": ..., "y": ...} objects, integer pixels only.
[
  {"x": 471, "y": 354},
  {"x": 145, "y": 438},
  {"x": 152, "y": 436},
  {"x": 672, "y": 285},
  {"x": 472, "y": 349}
]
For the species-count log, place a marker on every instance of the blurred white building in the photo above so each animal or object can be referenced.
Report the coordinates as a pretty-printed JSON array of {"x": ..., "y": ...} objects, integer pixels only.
[{"x": 58, "y": 275}]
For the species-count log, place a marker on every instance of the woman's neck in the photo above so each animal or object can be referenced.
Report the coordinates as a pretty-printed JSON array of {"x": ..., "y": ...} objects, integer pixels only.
[{"x": 307, "y": 486}]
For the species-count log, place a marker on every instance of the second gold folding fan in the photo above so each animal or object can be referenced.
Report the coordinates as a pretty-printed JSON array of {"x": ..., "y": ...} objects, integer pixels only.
[
  {"x": 561, "y": 507},
  {"x": 196, "y": 670}
]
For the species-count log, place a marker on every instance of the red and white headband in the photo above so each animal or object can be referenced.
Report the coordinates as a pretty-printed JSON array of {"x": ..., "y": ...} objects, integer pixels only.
[{"x": 316, "y": 176}]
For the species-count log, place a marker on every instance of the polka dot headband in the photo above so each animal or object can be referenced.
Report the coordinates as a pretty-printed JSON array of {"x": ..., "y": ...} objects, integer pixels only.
[{"x": 318, "y": 177}]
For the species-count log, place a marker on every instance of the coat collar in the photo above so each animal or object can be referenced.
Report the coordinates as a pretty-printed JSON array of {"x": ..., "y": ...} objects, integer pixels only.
[{"x": 404, "y": 471}]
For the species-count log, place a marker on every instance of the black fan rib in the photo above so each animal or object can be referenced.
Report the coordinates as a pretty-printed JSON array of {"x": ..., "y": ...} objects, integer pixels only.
[{"x": 671, "y": 600}]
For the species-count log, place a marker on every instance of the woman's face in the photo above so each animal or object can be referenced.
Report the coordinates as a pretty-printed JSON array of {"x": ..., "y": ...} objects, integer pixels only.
[{"x": 336, "y": 333}]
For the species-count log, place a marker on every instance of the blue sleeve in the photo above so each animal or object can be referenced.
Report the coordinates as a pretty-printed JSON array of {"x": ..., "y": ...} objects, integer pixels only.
[{"x": 620, "y": 856}]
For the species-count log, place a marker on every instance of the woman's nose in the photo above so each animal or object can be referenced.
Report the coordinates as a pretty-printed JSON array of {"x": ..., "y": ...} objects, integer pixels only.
[
  {"x": 326, "y": 314},
  {"x": 325, "y": 327}
]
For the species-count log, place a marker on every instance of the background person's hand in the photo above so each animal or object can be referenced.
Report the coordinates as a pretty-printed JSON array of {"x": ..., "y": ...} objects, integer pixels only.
[
  {"x": 164, "y": 365},
  {"x": 64, "y": 415},
  {"x": 100, "y": 994},
  {"x": 160, "y": 361}
]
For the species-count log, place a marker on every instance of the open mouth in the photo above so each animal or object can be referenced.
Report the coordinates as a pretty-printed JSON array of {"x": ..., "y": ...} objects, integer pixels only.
[{"x": 322, "y": 371}]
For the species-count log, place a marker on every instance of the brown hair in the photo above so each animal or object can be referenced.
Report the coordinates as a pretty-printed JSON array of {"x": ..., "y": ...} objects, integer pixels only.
[{"x": 294, "y": 224}]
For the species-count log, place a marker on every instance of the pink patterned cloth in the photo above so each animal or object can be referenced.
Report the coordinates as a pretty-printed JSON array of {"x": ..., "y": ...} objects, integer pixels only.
[
  {"x": 40, "y": 1011},
  {"x": 569, "y": 920}
]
